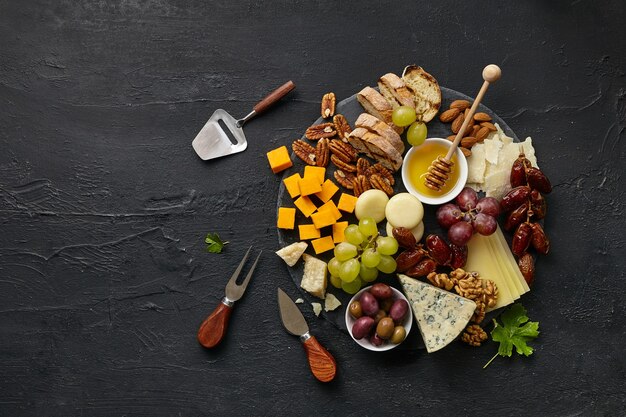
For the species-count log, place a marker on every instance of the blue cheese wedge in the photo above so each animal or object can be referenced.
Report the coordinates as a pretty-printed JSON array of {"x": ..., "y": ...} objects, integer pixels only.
[{"x": 441, "y": 316}]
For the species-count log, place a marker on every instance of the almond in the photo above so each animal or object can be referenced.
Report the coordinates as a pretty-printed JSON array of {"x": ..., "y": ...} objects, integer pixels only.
[
  {"x": 489, "y": 125},
  {"x": 456, "y": 124},
  {"x": 466, "y": 152},
  {"x": 468, "y": 142},
  {"x": 482, "y": 133},
  {"x": 482, "y": 117},
  {"x": 460, "y": 104},
  {"x": 449, "y": 115}
]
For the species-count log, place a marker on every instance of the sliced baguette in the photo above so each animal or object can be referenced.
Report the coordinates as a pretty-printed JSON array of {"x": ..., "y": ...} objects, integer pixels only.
[
  {"x": 395, "y": 91},
  {"x": 426, "y": 91},
  {"x": 376, "y": 105},
  {"x": 377, "y": 147},
  {"x": 382, "y": 129},
  {"x": 355, "y": 139}
]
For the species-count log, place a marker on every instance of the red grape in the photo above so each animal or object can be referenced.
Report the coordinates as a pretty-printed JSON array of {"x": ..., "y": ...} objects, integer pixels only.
[
  {"x": 448, "y": 214},
  {"x": 488, "y": 206},
  {"x": 460, "y": 233},
  {"x": 467, "y": 199},
  {"x": 484, "y": 224}
]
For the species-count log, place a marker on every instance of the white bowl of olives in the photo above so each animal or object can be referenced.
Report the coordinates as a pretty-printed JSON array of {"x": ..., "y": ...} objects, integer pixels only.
[{"x": 379, "y": 317}]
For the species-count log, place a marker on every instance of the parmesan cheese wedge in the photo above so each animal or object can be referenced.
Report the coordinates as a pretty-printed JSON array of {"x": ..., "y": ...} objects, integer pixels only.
[
  {"x": 314, "y": 278},
  {"x": 292, "y": 253}
]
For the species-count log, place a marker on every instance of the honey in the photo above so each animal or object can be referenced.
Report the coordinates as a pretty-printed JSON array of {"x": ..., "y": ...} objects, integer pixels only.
[{"x": 420, "y": 161}]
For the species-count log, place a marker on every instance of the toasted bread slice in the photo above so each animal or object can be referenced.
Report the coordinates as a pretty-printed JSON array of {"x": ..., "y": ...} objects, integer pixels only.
[
  {"x": 381, "y": 128},
  {"x": 378, "y": 148},
  {"x": 376, "y": 105},
  {"x": 395, "y": 91},
  {"x": 355, "y": 139},
  {"x": 426, "y": 91}
]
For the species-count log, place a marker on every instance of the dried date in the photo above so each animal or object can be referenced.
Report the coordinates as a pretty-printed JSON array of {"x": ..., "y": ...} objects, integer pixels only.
[
  {"x": 514, "y": 198},
  {"x": 538, "y": 180},
  {"x": 438, "y": 249},
  {"x": 539, "y": 239},
  {"x": 515, "y": 217},
  {"x": 459, "y": 256},
  {"x": 404, "y": 237},
  {"x": 538, "y": 205},
  {"x": 522, "y": 238},
  {"x": 408, "y": 259},
  {"x": 423, "y": 268},
  {"x": 518, "y": 171},
  {"x": 526, "y": 265}
]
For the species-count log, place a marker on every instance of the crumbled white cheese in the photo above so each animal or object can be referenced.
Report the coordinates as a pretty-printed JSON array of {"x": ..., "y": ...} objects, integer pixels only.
[
  {"x": 331, "y": 302},
  {"x": 299, "y": 301},
  {"x": 317, "y": 308}
]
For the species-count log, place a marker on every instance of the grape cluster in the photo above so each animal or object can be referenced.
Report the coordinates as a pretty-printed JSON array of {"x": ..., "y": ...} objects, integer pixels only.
[
  {"x": 469, "y": 215},
  {"x": 418, "y": 260},
  {"x": 362, "y": 256},
  {"x": 525, "y": 205}
]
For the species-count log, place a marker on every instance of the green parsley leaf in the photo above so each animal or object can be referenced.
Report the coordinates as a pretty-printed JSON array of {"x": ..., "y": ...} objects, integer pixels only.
[
  {"x": 214, "y": 243},
  {"x": 515, "y": 330}
]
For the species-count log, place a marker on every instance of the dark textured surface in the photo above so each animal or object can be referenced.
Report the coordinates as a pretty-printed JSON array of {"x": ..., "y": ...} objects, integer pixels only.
[{"x": 103, "y": 275}]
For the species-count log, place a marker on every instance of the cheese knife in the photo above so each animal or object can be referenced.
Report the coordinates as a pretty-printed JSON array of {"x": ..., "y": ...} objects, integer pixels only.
[{"x": 321, "y": 362}]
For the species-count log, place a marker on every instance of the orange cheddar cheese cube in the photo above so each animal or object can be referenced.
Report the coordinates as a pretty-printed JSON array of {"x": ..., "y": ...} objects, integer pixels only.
[
  {"x": 328, "y": 191},
  {"x": 309, "y": 185},
  {"x": 286, "y": 217},
  {"x": 323, "y": 218},
  {"x": 305, "y": 205},
  {"x": 330, "y": 206},
  {"x": 308, "y": 231},
  {"x": 323, "y": 244},
  {"x": 338, "y": 230},
  {"x": 311, "y": 171},
  {"x": 347, "y": 203},
  {"x": 292, "y": 186},
  {"x": 279, "y": 159}
]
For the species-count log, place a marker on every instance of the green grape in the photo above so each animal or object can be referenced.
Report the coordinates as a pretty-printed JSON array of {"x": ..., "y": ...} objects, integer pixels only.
[
  {"x": 370, "y": 258},
  {"x": 403, "y": 116},
  {"x": 387, "y": 245},
  {"x": 349, "y": 270},
  {"x": 345, "y": 251},
  {"x": 336, "y": 281},
  {"x": 333, "y": 266},
  {"x": 416, "y": 134},
  {"x": 353, "y": 235},
  {"x": 368, "y": 274},
  {"x": 367, "y": 226},
  {"x": 352, "y": 287},
  {"x": 387, "y": 264}
]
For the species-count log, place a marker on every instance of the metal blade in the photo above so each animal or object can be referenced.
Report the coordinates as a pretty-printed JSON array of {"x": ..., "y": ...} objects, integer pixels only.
[
  {"x": 212, "y": 142},
  {"x": 292, "y": 318}
]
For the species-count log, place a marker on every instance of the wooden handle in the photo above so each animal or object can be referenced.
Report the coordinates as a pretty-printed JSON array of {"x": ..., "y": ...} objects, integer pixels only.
[
  {"x": 322, "y": 363},
  {"x": 274, "y": 96},
  {"x": 491, "y": 74},
  {"x": 213, "y": 329}
]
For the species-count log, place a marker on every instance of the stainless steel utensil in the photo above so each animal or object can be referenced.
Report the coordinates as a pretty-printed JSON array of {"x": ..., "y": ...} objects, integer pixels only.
[
  {"x": 212, "y": 141},
  {"x": 321, "y": 362},
  {"x": 213, "y": 328}
]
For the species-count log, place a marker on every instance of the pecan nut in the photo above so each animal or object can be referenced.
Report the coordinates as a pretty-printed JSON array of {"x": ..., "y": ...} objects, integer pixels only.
[
  {"x": 304, "y": 151},
  {"x": 363, "y": 166},
  {"x": 322, "y": 153},
  {"x": 342, "y": 127},
  {"x": 384, "y": 173},
  {"x": 341, "y": 164},
  {"x": 380, "y": 183},
  {"x": 342, "y": 150},
  {"x": 346, "y": 179},
  {"x": 360, "y": 185},
  {"x": 317, "y": 132},
  {"x": 328, "y": 105}
]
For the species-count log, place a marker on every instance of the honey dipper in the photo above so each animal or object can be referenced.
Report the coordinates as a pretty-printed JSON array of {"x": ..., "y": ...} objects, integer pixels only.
[{"x": 437, "y": 173}]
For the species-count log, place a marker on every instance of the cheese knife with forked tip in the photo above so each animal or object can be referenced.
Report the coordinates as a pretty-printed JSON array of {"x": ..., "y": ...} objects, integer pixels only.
[{"x": 321, "y": 362}]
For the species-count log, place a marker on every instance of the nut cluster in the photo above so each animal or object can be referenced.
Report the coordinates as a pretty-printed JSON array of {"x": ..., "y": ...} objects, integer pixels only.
[
  {"x": 477, "y": 130},
  {"x": 470, "y": 285}
]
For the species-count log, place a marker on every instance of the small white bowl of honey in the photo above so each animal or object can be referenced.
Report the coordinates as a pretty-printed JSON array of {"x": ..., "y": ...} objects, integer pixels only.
[{"x": 415, "y": 166}]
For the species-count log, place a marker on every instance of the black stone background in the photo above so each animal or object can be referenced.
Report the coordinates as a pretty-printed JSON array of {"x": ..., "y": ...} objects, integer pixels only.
[{"x": 104, "y": 278}]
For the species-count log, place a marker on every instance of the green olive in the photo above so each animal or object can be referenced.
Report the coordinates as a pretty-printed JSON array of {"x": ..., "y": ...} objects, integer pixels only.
[
  {"x": 355, "y": 309},
  {"x": 385, "y": 327},
  {"x": 398, "y": 335}
]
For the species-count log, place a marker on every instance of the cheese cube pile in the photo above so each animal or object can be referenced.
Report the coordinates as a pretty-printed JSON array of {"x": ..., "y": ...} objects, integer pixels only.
[{"x": 313, "y": 197}]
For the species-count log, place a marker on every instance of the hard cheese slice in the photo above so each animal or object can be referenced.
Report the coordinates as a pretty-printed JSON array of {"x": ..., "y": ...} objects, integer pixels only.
[
  {"x": 481, "y": 259},
  {"x": 441, "y": 316},
  {"x": 511, "y": 260}
]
